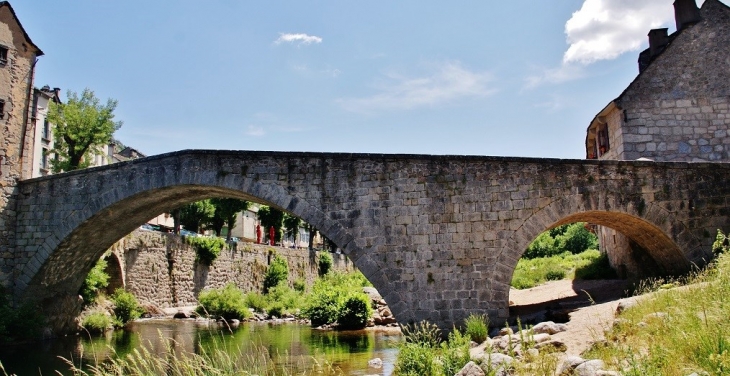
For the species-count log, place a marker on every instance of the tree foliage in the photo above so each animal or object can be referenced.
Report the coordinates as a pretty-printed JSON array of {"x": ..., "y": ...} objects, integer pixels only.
[
  {"x": 81, "y": 126},
  {"x": 195, "y": 215},
  {"x": 292, "y": 225},
  {"x": 271, "y": 217},
  {"x": 574, "y": 238},
  {"x": 225, "y": 213}
]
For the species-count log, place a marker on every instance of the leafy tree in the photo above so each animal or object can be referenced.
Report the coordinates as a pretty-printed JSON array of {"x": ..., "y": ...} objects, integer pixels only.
[
  {"x": 292, "y": 225},
  {"x": 312, "y": 233},
  {"x": 80, "y": 128},
  {"x": 197, "y": 214},
  {"x": 226, "y": 210},
  {"x": 271, "y": 217},
  {"x": 96, "y": 280}
]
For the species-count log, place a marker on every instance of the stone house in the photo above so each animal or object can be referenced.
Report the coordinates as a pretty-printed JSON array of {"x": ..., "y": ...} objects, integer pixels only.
[
  {"x": 18, "y": 56},
  {"x": 676, "y": 109}
]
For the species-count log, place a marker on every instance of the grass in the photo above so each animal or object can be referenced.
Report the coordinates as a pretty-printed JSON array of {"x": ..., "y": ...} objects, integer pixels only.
[
  {"x": 590, "y": 264},
  {"x": 675, "y": 331}
]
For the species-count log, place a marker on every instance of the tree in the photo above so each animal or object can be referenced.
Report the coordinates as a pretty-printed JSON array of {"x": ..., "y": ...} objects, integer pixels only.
[
  {"x": 271, "y": 217},
  {"x": 292, "y": 225},
  {"x": 196, "y": 214},
  {"x": 312, "y": 233},
  {"x": 226, "y": 210},
  {"x": 80, "y": 128}
]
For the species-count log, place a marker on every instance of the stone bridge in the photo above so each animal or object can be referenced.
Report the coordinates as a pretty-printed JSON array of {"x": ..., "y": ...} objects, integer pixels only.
[{"x": 438, "y": 236}]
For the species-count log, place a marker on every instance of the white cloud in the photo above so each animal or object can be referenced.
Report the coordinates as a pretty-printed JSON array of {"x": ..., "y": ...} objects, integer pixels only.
[
  {"x": 298, "y": 39},
  {"x": 447, "y": 82},
  {"x": 255, "y": 131},
  {"x": 564, "y": 73},
  {"x": 605, "y": 29}
]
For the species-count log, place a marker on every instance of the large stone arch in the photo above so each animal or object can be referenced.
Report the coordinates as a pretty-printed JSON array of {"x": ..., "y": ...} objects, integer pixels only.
[{"x": 63, "y": 271}]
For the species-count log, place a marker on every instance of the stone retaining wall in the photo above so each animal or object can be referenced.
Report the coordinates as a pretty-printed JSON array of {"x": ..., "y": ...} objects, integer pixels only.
[{"x": 160, "y": 269}]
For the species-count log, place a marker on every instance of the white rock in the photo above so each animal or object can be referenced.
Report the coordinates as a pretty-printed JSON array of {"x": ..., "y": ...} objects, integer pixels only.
[
  {"x": 375, "y": 363},
  {"x": 589, "y": 368},
  {"x": 624, "y": 305},
  {"x": 549, "y": 327},
  {"x": 569, "y": 364},
  {"x": 471, "y": 369}
]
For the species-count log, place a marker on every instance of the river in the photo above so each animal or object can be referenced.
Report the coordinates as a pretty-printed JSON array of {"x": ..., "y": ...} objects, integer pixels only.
[{"x": 288, "y": 343}]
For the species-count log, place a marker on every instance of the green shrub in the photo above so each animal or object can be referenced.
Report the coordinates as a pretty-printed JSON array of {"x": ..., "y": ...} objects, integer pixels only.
[
  {"x": 355, "y": 311},
  {"x": 554, "y": 274},
  {"x": 126, "y": 307},
  {"x": 300, "y": 285},
  {"x": 543, "y": 246},
  {"x": 277, "y": 273},
  {"x": 283, "y": 295},
  {"x": 207, "y": 249},
  {"x": 97, "y": 322},
  {"x": 228, "y": 303},
  {"x": 577, "y": 239},
  {"x": 255, "y": 300},
  {"x": 96, "y": 280},
  {"x": 276, "y": 310},
  {"x": 476, "y": 327},
  {"x": 325, "y": 304},
  {"x": 423, "y": 333},
  {"x": 415, "y": 360},
  {"x": 325, "y": 263},
  {"x": 455, "y": 352},
  {"x": 721, "y": 244},
  {"x": 594, "y": 265}
]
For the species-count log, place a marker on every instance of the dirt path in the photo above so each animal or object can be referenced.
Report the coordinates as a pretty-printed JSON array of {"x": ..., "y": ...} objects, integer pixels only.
[{"x": 587, "y": 307}]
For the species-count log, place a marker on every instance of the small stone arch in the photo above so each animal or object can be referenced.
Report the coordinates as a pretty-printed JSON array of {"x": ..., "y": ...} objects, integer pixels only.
[
  {"x": 116, "y": 273},
  {"x": 648, "y": 229}
]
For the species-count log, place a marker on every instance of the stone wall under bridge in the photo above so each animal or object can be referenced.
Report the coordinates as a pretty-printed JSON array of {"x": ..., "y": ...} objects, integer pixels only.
[
  {"x": 438, "y": 236},
  {"x": 160, "y": 269}
]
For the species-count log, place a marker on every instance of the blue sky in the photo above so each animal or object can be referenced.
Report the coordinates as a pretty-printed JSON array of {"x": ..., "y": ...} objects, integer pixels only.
[{"x": 514, "y": 78}]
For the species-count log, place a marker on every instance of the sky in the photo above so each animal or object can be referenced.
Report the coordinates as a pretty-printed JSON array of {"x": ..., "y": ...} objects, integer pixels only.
[{"x": 511, "y": 78}]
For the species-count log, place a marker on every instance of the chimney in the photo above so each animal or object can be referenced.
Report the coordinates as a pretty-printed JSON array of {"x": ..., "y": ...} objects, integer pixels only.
[
  {"x": 658, "y": 39},
  {"x": 685, "y": 13}
]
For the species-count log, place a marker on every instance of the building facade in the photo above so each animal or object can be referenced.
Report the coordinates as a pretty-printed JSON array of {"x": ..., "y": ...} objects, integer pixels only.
[
  {"x": 18, "y": 56},
  {"x": 677, "y": 108}
]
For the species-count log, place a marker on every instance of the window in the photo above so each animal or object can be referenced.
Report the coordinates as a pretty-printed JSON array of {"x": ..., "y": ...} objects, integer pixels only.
[
  {"x": 44, "y": 159},
  {"x": 603, "y": 145},
  {"x": 2, "y": 109},
  {"x": 46, "y": 130},
  {"x": 3, "y": 55}
]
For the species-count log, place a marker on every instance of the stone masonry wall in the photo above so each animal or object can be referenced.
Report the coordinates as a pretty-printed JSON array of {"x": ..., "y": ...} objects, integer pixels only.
[
  {"x": 160, "y": 269},
  {"x": 678, "y": 109},
  {"x": 15, "y": 80}
]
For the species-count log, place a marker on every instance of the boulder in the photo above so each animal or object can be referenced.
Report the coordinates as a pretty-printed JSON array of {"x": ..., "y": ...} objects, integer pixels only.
[
  {"x": 624, "y": 305},
  {"x": 549, "y": 327},
  {"x": 470, "y": 369},
  {"x": 589, "y": 368},
  {"x": 569, "y": 364}
]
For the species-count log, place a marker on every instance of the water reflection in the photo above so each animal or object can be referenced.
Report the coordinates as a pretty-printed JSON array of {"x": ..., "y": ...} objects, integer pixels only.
[{"x": 296, "y": 344}]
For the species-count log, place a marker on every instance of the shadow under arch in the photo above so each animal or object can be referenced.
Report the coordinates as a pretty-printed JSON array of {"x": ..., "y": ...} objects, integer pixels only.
[
  {"x": 76, "y": 251},
  {"x": 115, "y": 272}
]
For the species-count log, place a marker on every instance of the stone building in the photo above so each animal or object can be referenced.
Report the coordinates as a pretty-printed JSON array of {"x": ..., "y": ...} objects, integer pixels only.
[
  {"x": 18, "y": 56},
  {"x": 676, "y": 109},
  {"x": 41, "y": 130}
]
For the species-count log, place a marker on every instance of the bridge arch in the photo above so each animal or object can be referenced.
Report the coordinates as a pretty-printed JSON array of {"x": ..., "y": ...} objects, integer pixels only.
[
  {"x": 649, "y": 227},
  {"x": 87, "y": 237}
]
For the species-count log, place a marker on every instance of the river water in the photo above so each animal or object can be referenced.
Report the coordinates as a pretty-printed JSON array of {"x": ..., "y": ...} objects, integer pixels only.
[{"x": 293, "y": 344}]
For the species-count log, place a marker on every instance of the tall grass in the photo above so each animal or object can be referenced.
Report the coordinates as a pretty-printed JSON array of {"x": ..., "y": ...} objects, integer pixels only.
[
  {"x": 676, "y": 331},
  {"x": 213, "y": 361}
]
